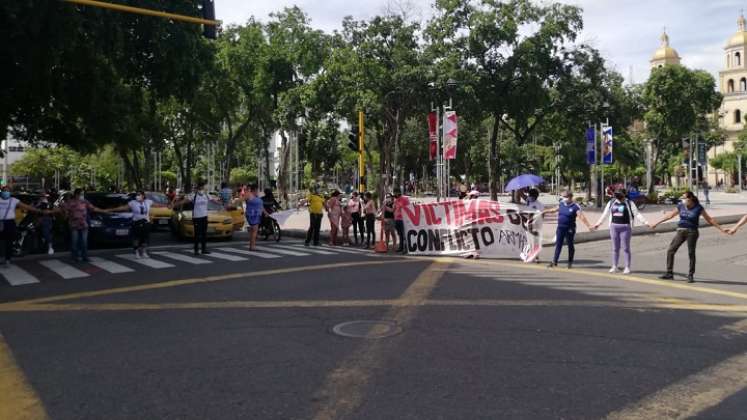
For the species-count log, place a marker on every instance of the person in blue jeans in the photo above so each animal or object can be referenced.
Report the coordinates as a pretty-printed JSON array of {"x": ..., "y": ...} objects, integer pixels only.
[
  {"x": 689, "y": 211},
  {"x": 567, "y": 212}
]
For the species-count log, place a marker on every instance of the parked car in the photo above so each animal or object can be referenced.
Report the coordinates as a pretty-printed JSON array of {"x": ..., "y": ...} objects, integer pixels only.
[
  {"x": 106, "y": 228},
  {"x": 220, "y": 222}
]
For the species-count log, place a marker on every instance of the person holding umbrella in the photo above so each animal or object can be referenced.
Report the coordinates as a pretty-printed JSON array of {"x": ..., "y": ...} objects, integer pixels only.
[{"x": 567, "y": 211}]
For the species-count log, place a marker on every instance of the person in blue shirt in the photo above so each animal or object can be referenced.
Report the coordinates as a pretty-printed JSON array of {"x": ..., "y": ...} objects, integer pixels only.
[
  {"x": 567, "y": 211},
  {"x": 255, "y": 210},
  {"x": 689, "y": 211}
]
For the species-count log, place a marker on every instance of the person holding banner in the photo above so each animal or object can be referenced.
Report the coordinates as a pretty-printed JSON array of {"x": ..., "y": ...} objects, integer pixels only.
[
  {"x": 735, "y": 229},
  {"x": 567, "y": 212},
  {"x": 621, "y": 214},
  {"x": 689, "y": 211},
  {"x": 400, "y": 202}
]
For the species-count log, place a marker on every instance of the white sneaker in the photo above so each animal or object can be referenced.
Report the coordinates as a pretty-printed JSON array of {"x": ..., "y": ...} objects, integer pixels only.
[
  {"x": 137, "y": 254},
  {"x": 613, "y": 269},
  {"x": 50, "y": 251},
  {"x": 627, "y": 270},
  {"x": 144, "y": 253}
]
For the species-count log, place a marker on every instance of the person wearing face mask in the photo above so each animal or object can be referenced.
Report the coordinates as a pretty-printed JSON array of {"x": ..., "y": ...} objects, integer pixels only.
[
  {"x": 621, "y": 214},
  {"x": 567, "y": 211},
  {"x": 141, "y": 227},
  {"x": 689, "y": 210},
  {"x": 76, "y": 210},
  {"x": 8, "y": 206},
  {"x": 532, "y": 200},
  {"x": 200, "y": 201}
]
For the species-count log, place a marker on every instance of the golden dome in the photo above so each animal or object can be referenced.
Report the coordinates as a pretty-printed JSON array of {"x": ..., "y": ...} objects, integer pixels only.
[
  {"x": 665, "y": 51},
  {"x": 740, "y": 38}
]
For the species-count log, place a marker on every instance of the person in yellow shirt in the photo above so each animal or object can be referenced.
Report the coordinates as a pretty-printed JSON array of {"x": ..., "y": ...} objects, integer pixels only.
[{"x": 316, "y": 212}]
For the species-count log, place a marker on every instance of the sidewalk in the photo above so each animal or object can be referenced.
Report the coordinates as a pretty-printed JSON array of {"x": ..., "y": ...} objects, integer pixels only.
[{"x": 726, "y": 208}]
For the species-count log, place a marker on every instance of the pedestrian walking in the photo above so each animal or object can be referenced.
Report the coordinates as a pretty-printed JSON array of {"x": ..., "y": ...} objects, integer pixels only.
[
  {"x": 8, "y": 206},
  {"x": 689, "y": 210},
  {"x": 199, "y": 200},
  {"x": 735, "y": 229},
  {"x": 334, "y": 212},
  {"x": 621, "y": 215},
  {"x": 76, "y": 209},
  {"x": 46, "y": 222},
  {"x": 369, "y": 211},
  {"x": 706, "y": 192},
  {"x": 141, "y": 225},
  {"x": 355, "y": 207},
  {"x": 255, "y": 211},
  {"x": 568, "y": 212},
  {"x": 316, "y": 212},
  {"x": 532, "y": 201},
  {"x": 400, "y": 202},
  {"x": 388, "y": 216}
]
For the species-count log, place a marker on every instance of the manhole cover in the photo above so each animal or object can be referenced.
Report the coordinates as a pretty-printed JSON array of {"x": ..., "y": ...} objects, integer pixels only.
[{"x": 367, "y": 329}]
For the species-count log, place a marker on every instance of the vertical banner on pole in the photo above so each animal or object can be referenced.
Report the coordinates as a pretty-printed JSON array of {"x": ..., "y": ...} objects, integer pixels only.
[
  {"x": 607, "y": 144},
  {"x": 450, "y": 135},
  {"x": 591, "y": 157},
  {"x": 433, "y": 135}
]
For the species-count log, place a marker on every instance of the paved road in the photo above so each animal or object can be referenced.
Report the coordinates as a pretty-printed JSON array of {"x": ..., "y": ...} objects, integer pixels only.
[{"x": 233, "y": 335}]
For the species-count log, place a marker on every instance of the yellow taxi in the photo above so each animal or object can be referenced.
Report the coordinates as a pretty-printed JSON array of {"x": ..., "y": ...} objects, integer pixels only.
[
  {"x": 160, "y": 213},
  {"x": 220, "y": 222},
  {"x": 236, "y": 210}
]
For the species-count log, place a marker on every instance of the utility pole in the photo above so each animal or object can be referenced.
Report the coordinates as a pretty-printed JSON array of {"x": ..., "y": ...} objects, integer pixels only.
[{"x": 362, "y": 151}]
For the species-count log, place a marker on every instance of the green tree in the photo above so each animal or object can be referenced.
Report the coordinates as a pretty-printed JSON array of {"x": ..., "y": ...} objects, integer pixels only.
[{"x": 677, "y": 101}]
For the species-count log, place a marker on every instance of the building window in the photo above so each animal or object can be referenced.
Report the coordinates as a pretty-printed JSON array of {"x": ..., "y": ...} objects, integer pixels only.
[
  {"x": 743, "y": 84},
  {"x": 730, "y": 86},
  {"x": 737, "y": 117},
  {"x": 737, "y": 59}
]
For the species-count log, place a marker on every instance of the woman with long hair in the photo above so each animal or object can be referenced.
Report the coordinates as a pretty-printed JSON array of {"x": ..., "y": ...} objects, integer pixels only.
[{"x": 689, "y": 210}]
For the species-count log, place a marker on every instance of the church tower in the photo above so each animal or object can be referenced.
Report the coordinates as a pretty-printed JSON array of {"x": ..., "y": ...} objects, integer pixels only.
[{"x": 665, "y": 55}]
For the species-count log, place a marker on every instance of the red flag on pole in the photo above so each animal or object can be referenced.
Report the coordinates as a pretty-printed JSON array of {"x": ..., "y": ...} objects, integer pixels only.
[
  {"x": 433, "y": 135},
  {"x": 450, "y": 135}
]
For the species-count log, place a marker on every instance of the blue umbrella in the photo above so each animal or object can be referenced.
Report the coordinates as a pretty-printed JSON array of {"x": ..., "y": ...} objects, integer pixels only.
[{"x": 524, "y": 181}]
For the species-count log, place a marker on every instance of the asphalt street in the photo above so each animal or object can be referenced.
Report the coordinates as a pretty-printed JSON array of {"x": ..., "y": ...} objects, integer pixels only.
[{"x": 238, "y": 335}]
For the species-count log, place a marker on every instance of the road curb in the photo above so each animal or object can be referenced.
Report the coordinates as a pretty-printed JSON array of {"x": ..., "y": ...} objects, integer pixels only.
[{"x": 582, "y": 237}]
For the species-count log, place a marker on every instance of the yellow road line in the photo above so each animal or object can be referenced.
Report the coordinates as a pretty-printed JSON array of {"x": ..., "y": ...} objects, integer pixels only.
[
  {"x": 399, "y": 302},
  {"x": 692, "y": 395},
  {"x": 18, "y": 400},
  {"x": 343, "y": 390},
  {"x": 629, "y": 278},
  {"x": 198, "y": 280}
]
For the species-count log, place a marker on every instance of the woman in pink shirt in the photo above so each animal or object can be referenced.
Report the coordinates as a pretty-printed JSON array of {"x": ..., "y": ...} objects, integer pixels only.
[
  {"x": 400, "y": 202},
  {"x": 334, "y": 212}
]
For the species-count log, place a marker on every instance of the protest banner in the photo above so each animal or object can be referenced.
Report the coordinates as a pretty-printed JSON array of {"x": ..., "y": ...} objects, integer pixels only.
[{"x": 458, "y": 227}]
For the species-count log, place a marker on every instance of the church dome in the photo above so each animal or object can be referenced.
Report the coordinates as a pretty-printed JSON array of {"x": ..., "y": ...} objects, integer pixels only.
[
  {"x": 740, "y": 38},
  {"x": 665, "y": 52}
]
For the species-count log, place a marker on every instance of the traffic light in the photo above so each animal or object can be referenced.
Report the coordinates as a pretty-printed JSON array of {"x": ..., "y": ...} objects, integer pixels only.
[
  {"x": 353, "y": 139},
  {"x": 208, "y": 13}
]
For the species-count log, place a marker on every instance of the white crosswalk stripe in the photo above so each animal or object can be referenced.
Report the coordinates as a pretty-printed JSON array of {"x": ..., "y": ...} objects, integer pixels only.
[
  {"x": 110, "y": 266},
  {"x": 250, "y": 253},
  {"x": 63, "y": 270},
  {"x": 286, "y": 252},
  {"x": 182, "y": 258},
  {"x": 309, "y": 249},
  {"x": 148, "y": 262},
  {"x": 222, "y": 256},
  {"x": 16, "y": 276},
  {"x": 358, "y": 251}
]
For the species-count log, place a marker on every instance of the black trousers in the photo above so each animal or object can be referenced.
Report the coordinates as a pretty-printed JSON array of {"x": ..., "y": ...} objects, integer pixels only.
[
  {"x": 7, "y": 236},
  {"x": 682, "y": 235},
  {"x": 370, "y": 229},
  {"x": 141, "y": 233},
  {"x": 399, "y": 225},
  {"x": 200, "y": 226},
  {"x": 357, "y": 226},
  {"x": 315, "y": 223}
]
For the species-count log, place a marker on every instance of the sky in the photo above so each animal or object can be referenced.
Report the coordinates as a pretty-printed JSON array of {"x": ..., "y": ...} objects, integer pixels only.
[{"x": 625, "y": 31}]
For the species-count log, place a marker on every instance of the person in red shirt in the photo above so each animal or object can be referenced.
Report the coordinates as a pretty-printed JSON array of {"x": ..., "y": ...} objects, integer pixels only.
[
  {"x": 76, "y": 210},
  {"x": 400, "y": 202}
]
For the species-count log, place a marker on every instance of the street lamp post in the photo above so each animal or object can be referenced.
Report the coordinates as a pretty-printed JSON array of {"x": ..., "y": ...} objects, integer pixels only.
[{"x": 442, "y": 165}]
